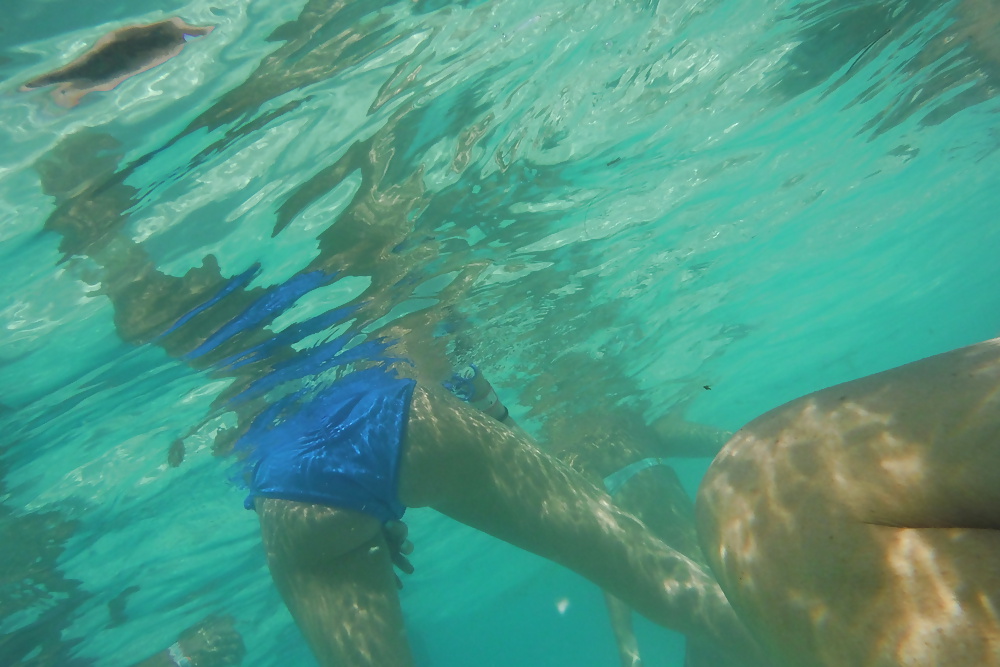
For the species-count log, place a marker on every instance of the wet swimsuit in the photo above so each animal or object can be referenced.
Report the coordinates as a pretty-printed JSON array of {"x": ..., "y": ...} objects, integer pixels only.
[
  {"x": 333, "y": 444},
  {"x": 339, "y": 447}
]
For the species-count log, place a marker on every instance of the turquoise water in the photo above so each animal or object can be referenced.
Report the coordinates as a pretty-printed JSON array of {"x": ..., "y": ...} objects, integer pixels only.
[{"x": 610, "y": 206}]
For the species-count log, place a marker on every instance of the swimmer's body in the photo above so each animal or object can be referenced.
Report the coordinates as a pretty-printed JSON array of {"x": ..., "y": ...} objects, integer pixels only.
[
  {"x": 328, "y": 555},
  {"x": 329, "y": 562},
  {"x": 860, "y": 525}
]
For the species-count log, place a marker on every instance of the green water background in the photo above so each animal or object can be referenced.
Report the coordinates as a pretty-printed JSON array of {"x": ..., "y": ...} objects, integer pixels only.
[{"x": 763, "y": 199}]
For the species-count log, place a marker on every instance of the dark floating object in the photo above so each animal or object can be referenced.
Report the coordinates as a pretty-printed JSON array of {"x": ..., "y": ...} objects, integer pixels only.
[
  {"x": 707, "y": 387},
  {"x": 614, "y": 162},
  {"x": 117, "y": 56},
  {"x": 175, "y": 455}
]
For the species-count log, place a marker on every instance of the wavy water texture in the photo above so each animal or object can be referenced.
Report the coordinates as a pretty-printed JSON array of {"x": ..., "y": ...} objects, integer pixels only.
[{"x": 634, "y": 205}]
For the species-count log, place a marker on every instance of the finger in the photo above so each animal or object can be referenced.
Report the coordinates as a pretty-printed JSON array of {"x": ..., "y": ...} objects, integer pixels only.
[
  {"x": 396, "y": 532},
  {"x": 402, "y": 562}
]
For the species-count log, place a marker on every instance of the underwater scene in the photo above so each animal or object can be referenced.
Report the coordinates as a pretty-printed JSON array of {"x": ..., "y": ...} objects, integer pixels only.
[{"x": 532, "y": 263}]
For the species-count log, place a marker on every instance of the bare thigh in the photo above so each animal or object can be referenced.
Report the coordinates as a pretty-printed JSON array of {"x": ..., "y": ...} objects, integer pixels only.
[
  {"x": 479, "y": 472},
  {"x": 858, "y": 526},
  {"x": 333, "y": 570}
]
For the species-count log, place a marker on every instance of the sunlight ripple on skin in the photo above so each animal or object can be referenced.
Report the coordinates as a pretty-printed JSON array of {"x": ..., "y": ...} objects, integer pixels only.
[
  {"x": 740, "y": 531},
  {"x": 991, "y": 611},
  {"x": 934, "y": 613},
  {"x": 903, "y": 467},
  {"x": 606, "y": 517},
  {"x": 817, "y": 610},
  {"x": 906, "y": 469}
]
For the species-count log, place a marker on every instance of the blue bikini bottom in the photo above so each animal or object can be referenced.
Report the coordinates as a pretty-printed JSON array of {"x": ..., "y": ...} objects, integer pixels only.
[{"x": 341, "y": 447}]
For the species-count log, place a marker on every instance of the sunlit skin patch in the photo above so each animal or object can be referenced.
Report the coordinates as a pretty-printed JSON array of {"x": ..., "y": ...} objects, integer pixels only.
[
  {"x": 606, "y": 516},
  {"x": 810, "y": 604},
  {"x": 823, "y": 437},
  {"x": 738, "y": 540},
  {"x": 905, "y": 469},
  {"x": 827, "y": 433},
  {"x": 115, "y": 57},
  {"x": 933, "y": 617},
  {"x": 989, "y": 608}
]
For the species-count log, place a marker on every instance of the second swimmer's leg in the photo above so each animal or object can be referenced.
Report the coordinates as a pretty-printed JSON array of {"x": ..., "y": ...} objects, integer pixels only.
[{"x": 620, "y": 615}]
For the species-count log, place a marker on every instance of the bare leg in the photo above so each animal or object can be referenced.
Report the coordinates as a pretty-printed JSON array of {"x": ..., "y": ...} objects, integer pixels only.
[
  {"x": 333, "y": 570},
  {"x": 620, "y": 615},
  {"x": 863, "y": 521},
  {"x": 654, "y": 496},
  {"x": 473, "y": 469},
  {"x": 598, "y": 445}
]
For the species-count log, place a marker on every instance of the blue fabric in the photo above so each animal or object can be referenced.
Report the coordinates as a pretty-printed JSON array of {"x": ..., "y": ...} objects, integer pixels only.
[
  {"x": 276, "y": 300},
  {"x": 235, "y": 283},
  {"x": 339, "y": 446}
]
